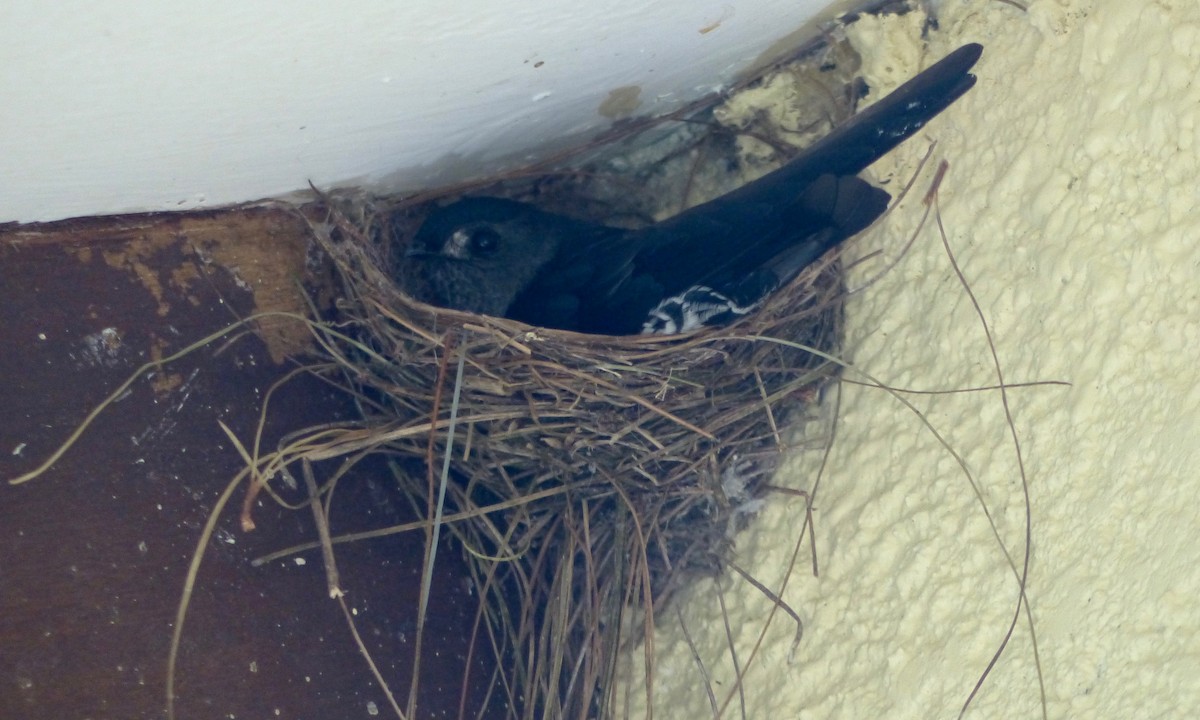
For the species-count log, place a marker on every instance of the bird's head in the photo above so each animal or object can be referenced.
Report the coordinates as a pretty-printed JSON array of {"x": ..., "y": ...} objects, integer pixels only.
[
  {"x": 486, "y": 231},
  {"x": 477, "y": 254}
]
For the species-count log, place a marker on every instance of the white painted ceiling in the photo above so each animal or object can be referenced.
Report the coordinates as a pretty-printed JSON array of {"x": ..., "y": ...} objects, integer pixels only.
[{"x": 117, "y": 106}]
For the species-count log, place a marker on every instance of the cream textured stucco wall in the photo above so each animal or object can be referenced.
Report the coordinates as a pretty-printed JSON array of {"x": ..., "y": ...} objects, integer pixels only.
[{"x": 1071, "y": 205}]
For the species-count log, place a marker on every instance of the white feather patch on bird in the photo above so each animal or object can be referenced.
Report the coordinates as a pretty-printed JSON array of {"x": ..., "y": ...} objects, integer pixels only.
[{"x": 692, "y": 309}]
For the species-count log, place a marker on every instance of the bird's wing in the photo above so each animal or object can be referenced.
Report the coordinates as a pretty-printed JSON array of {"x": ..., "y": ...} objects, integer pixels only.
[
  {"x": 748, "y": 226},
  {"x": 607, "y": 281},
  {"x": 569, "y": 292},
  {"x": 851, "y": 147},
  {"x": 718, "y": 250},
  {"x": 768, "y": 230}
]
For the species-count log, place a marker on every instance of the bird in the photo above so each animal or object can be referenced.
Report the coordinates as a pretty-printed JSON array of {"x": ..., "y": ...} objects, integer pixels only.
[{"x": 706, "y": 266}]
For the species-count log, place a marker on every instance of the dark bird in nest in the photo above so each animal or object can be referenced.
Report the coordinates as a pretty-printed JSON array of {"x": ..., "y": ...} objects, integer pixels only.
[{"x": 705, "y": 266}]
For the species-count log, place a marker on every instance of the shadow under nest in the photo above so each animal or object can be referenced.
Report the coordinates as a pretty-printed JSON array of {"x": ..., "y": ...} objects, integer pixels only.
[{"x": 589, "y": 477}]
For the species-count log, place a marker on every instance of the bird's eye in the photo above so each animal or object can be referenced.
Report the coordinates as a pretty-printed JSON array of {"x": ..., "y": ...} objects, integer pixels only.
[{"x": 484, "y": 241}]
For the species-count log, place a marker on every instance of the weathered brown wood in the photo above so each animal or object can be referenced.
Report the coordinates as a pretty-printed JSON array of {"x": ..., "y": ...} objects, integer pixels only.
[{"x": 93, "y": 554}]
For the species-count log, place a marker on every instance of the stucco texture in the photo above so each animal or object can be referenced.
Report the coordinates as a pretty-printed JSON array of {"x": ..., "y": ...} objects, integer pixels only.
[{"x": 1071, "y": 207}]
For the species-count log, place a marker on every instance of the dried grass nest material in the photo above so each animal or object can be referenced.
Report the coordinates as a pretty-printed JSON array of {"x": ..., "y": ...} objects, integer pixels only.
[{"x": 599, "y": 473}]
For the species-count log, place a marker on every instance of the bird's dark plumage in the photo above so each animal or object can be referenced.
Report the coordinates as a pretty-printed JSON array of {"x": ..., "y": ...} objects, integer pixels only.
[{"x": 704, "y": 266}]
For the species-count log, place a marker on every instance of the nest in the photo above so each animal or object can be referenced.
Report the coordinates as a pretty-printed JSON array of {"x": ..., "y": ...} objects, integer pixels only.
[
  {"x": 589, "y": 477},
  {"x": 586, "y": 478}
]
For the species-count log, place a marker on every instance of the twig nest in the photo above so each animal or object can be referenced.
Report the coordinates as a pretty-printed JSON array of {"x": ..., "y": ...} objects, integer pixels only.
[{"x": 603, "y": 470}]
